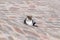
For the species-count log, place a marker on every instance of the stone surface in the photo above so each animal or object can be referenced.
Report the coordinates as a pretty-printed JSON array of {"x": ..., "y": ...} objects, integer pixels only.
[{"x": 45, "y": 12}]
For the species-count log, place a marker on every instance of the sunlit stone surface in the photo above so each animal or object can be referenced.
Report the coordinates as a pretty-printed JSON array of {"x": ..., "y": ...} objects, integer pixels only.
[{"x": 45, "y": 12}]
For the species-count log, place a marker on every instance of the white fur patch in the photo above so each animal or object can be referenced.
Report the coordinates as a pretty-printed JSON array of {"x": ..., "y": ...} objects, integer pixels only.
[{"x": 29, "y": 22}]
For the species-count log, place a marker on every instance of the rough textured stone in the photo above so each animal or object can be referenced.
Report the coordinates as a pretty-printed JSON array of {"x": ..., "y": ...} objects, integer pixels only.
[{"x": 45, "y": 12}]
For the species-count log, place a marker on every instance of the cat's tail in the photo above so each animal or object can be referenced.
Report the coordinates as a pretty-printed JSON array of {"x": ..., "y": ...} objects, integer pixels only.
[{"x": 35, "y": 26}]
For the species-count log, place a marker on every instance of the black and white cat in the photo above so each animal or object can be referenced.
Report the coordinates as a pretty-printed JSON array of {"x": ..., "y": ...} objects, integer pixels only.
[{"x": 29, "y": 21}]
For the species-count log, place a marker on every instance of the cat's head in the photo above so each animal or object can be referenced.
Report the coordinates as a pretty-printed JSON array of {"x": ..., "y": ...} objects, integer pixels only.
[{"x": 29, "y": 17}]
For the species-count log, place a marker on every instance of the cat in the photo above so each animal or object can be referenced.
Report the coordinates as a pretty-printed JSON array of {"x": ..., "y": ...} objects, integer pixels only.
[{"x": 29, "y": 21}]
